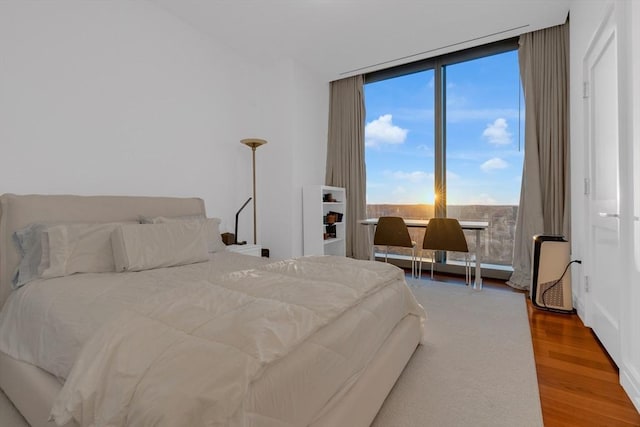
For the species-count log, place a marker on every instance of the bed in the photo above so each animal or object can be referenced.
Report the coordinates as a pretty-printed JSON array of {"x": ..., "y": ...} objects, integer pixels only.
[{"x": 292, "y": 375}]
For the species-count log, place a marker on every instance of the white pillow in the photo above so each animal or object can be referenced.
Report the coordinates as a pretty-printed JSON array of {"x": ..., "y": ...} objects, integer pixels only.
[
  {"x": 53, "y": 250},
  {"x": 143, "y": 247},
  {"x": 76, "y": 248},
  {"x": 214, "y": 238}
]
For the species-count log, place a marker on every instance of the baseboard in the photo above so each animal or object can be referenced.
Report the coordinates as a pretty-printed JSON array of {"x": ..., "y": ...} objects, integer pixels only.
[
  {"x": 631, "y": 384},
  {"x": 578, "y": 304}
]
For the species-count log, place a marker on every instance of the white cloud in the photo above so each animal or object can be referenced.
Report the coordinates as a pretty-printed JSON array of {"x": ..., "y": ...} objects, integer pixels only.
[
  {"x": 401, "y": 187},
  {"x": 399, "y": 191},
  {"x": 493, "y": 164},
  {"x": 497, "y": 133},
  {"x": 383, "y": 131},
  {"x": 452, "y": 176},
  {"x": 415, "y": 177},
  {"x": 482, "y": 199}
]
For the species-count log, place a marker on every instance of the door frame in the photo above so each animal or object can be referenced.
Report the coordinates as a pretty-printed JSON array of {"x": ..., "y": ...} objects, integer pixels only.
[{"x": 603, "y": 32}]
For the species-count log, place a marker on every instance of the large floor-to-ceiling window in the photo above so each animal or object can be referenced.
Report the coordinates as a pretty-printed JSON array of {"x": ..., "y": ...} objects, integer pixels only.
[{"x": 444, "y": 138}]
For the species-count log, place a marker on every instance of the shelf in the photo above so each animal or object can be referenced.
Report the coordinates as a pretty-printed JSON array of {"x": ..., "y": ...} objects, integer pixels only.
[{"x": 320, "y": 201}]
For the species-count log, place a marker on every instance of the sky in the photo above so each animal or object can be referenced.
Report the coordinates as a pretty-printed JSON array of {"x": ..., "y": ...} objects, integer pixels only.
[{"x": 485, "y": 135}]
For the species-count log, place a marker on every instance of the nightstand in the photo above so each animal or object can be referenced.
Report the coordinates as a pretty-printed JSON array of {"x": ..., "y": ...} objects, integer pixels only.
[{"x": 254, "y": 250}]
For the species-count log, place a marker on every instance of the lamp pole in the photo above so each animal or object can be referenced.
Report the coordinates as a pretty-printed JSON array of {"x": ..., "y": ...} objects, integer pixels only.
[{"x": 254, "y": 143}]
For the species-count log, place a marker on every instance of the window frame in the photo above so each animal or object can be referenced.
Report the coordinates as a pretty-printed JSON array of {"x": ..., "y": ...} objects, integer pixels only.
[{"x": 438, "y": 64}]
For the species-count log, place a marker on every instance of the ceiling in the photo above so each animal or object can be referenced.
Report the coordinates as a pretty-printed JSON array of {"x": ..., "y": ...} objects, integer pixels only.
[{"x": 340, "y": 38}]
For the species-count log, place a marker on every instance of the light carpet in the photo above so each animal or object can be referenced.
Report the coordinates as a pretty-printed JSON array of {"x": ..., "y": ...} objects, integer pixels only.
[{"x": 476, "y": 368}]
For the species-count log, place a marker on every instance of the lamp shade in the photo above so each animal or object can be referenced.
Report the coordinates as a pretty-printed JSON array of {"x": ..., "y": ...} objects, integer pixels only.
[{"x": 253, "y": 142}]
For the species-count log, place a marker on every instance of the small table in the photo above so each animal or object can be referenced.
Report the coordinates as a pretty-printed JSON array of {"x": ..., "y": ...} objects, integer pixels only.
[
  {"x": 477, "y": 226},
  {"x": 254, "y": 250}
]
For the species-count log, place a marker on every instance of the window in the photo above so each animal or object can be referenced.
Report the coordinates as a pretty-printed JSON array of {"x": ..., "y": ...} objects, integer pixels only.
[{"x": 443, "y": 138}]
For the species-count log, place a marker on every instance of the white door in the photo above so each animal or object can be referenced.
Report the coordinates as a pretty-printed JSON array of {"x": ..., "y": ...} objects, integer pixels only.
[{"x": 604, "y": 265}]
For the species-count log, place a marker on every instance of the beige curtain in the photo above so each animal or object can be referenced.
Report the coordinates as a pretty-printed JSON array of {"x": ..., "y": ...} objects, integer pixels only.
[
  {"x": 544, "y": 195},
  {"x": 345, "y": 158}
]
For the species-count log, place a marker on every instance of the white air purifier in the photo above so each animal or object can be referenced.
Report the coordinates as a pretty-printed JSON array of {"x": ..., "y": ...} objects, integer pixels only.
[{"x": 550, "y": 274}]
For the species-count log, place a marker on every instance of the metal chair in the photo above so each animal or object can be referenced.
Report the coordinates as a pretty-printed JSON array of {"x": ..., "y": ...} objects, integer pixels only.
[
  {"x": 445, "y": 234},
  {"x": 392, "y": 231}
]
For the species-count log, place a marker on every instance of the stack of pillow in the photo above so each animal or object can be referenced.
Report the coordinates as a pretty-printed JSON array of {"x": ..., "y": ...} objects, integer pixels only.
[{"x": 55, "y": 250}]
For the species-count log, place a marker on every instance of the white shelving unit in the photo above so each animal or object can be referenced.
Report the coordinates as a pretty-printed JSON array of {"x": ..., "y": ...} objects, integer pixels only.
[{"x": 321, "y": 238}]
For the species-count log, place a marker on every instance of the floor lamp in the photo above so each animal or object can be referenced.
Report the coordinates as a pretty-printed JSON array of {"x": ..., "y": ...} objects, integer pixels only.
[{"x": 254, "y": 143}]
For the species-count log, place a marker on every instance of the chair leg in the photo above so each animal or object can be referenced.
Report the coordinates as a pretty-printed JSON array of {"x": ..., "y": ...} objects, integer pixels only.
[
  {"x": 433, "y": 257},
  {"x": 466, "y": 272},
  {"x": 412, "y": 266},
  {"x": 420, "y": 266},
  {"x": 413, "y": 262},
  {"x": 467, "y": 278}
]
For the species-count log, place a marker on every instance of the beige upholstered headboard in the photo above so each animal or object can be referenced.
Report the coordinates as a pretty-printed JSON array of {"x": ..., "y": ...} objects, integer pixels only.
[{"x": 18, "y": 211}]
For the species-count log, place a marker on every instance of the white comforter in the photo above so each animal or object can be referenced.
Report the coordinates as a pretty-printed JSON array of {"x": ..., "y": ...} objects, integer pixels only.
[
  {"x": 237, "y": 349},
  {"x": 46, "y": 322}
]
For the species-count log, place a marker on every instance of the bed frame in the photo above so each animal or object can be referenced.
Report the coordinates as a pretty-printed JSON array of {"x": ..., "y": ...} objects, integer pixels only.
[{"x": 33, "y": 390}]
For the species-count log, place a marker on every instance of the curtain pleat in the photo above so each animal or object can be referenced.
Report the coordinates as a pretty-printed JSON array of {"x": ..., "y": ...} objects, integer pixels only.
[
  {"x": 345, "y": 158},
  {"x": 544, "y": 195}
]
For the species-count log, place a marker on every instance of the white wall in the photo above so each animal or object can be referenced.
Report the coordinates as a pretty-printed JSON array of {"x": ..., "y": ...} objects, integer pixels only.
[
  {"x": 310, "y": 143},
  {"x": 293, "y": 115},
  {"x": 121, "y": 97},
  {"x": 631, "y": 351}
]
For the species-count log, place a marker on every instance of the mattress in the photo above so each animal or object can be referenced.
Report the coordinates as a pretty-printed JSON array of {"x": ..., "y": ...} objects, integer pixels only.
[{"x": 47, "y": 323}]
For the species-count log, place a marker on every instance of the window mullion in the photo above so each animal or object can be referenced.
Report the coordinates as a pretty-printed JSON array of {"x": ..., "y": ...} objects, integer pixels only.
[{"x": 440, "y": 190}]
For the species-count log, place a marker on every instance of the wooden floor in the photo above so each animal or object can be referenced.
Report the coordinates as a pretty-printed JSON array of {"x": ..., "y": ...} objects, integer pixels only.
[{"x": 578, "y": 382}]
